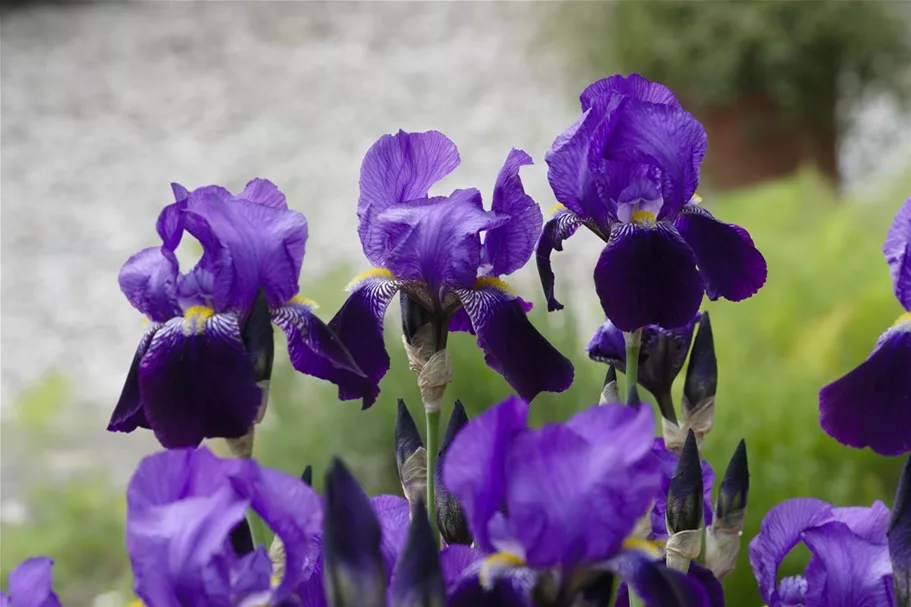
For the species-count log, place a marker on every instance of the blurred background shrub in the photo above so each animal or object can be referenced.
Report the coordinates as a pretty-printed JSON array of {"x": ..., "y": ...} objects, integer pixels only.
[
  {"x": 773, "y": 82},
  {"x": 827, "y": 299}
]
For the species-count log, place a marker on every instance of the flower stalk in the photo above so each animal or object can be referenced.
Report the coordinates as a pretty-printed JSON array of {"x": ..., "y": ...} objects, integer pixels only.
[{"x": 633, "y": 343}]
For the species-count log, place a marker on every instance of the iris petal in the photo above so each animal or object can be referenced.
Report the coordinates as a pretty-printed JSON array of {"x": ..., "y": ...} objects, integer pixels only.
[
  {"x": 648, "y": 276},
  {"x": 264, "y": 192},
  {"x": 729, "y": 262},
  {"x": 128, "y": 414},
  {"x": 634, "y": 86},
  {"x": 398, "y": 168},
  {"x": 662, "y": 136},
  {"x": 316, "y": 350},
  {"x": 198, "y": 384},
  {"x": 475, "y": 466},
  {"x": 853, "y": 568},
  {"x": 149, "y": 281},
  {"x": 508, "y": 247},
  {"x": 359, "y": 324},
  {"x": 780, "y": 532},
  {"x": 30, "y": 584},
  {"x": 871, "y": 405},
  {"x": 461, "y": 569},
  {"x": 512, "y": 346},
  {"x": 897, "y": 250},
  {"x": 655, "y": 584},
  {"x": 558, "y": 228}
]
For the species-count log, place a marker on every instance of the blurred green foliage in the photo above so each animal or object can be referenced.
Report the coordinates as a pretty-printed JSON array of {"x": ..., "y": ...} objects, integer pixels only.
[
  {"x": 827, "y": 299},
  {"x": 802, "y": 55}
]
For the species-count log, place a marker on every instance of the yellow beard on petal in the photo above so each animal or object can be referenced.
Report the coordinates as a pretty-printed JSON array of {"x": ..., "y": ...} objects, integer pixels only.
[
  {"x": 644, "y": 218},
  {"x": 304, "y": 301},
  {"x": 554, "y": 210},
  {"x": 371, "y": 273},
  {"x": 495, "y": 563},
  {"x": 652, "y": 548},
  {"x": 903, "y": 319},
  {"x": 194, "y": 320},
  {"x": 496, "y": 283}
]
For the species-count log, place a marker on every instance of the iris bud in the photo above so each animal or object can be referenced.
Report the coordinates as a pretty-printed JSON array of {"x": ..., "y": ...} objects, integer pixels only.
[
  {"x": 702, "y": 372},
  {"x": 352, "y": 559},
  {"x": 450, "y": 517},
  {"x": 610, "y": 393},
  {"x": 307, "y": 475},
  {"x": 722, "y": 540},
  {"x": 418, "y": 579},
  {"x": 410, "y": 456},
  {"x": 684, "y": 508}
]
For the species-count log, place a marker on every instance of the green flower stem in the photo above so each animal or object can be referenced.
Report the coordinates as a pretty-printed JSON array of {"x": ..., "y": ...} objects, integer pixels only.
[
  {"x": 258, "y": 530},
  {"x": 432, "y": 419},
  {"x": 633, "y": 341},
  {"x": 634, "y": 600}
]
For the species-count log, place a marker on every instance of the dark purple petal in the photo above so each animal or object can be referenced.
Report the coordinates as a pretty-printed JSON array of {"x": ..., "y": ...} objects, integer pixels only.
[
  {"x": 512, "y": 346},
  {"x": 461, "y": 569},
  {"x": 657, "y": 585},
  {"x": 398, "y": 168},
  {"x": 359, "y": 324},
  {"x": 128, "y": 414},
  {"x": 249, "y": 246},
  {"x": 897, "y": 250},
  {"x": 264, "y": 192},
  {"x": 575, "y": 491},
  {"x": 660, "y": 136},
  {"x": 439, "y": 243},
  {"x": 30, "y": 584},
  {"x": 509, "y": 246},
  {"x": 852, "y": 569},
  {"x": 475, "y": 466},
  {"x": 149, "y": 280},
  {"x": 871, "y": 405},
  {"x": 418, "y": 578},
  {"x": 634, "y": 86},
  {"x": 316, "y": 350},
  {"x": 780, "y": 531},
  {"x": 197, "y": 382},
  {"x": 560, "y": 226},
  {"x": 456, "y": 560},
  {"x": 731, "y": 265},
  {"x": 648, "y": 276}
]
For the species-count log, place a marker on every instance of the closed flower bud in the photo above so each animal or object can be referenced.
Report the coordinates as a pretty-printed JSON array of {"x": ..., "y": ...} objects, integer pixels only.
[
  {"x": 410, "y": 456},
  {"x": 307, "y": 475},
  {"x": 450, "y": 517},
  {"x": 418, "y": 578},
  {"x": 258, "y": 338},
  {"x": 702, "y": 372},
  {"x": 899, "y": 536},
  {"x": 610, "y": 393},
  {"x": 722, "y": 540},
  {"x": 352, "y": 558},
  {"x": 735, "y": 486},
  {"x": 684, "y": 498},
  {"x": 414, "y": 316}
]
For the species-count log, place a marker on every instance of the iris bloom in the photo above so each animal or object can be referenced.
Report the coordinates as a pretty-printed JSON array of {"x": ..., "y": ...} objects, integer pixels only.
[
  {"x": 30, "y": 585},
  {"x": 871, "y": 405},
  {"x": 431, "y": 249},
  {"x": 628, "y": 170},
  {"x": 561, "y": 500},
  {"x": 199, "y": 368},
  {"x": 849, "y": 566}
]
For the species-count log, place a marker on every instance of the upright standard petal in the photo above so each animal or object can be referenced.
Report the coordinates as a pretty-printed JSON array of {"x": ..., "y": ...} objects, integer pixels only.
[
  {"x": 560, "y": 226},
  {"x": 438, "y": 243},
  {"x": 264, "y": 192},
  {"x": 848, "y": 572},
  {"x": 729, "y": 262},
  {"x": 197, "y": 382},
  {"x": 475, "y": 466},
  {"x": 871, "y": 405},
  {"x": 149, "y": 281},
  {"x": 647, "y": 276},
  {"x": 508, "y": 247},
  {"x": 250, "y": 246},
  {"x": 897, "y": 250},
  {"x": 634, "y": 86},
  {"x": 661, "y": 136},
  {"x": 359, "y": 324},
  {"x": 398, "y": 168},
  {"x": 316, "y": 350},
  {"x": 30, "y": 584},
  {"x": 511, "y": 344},
  {"x": 780, "y": 531}
]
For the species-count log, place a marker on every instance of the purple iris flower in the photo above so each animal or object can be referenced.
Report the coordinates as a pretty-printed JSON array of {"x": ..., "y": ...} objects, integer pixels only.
[
  {"x": 668, "y": 465},
  {"x": 628, "y": 171},
  {"x": 430, "y": 248},
  {"x": 849, "y": 566},
  {"x": 181, "y": 508},
  {"x": 871, "y": 405},
  {"x": 30, "y": 585},
  {"x": 201, "y": 367}
]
